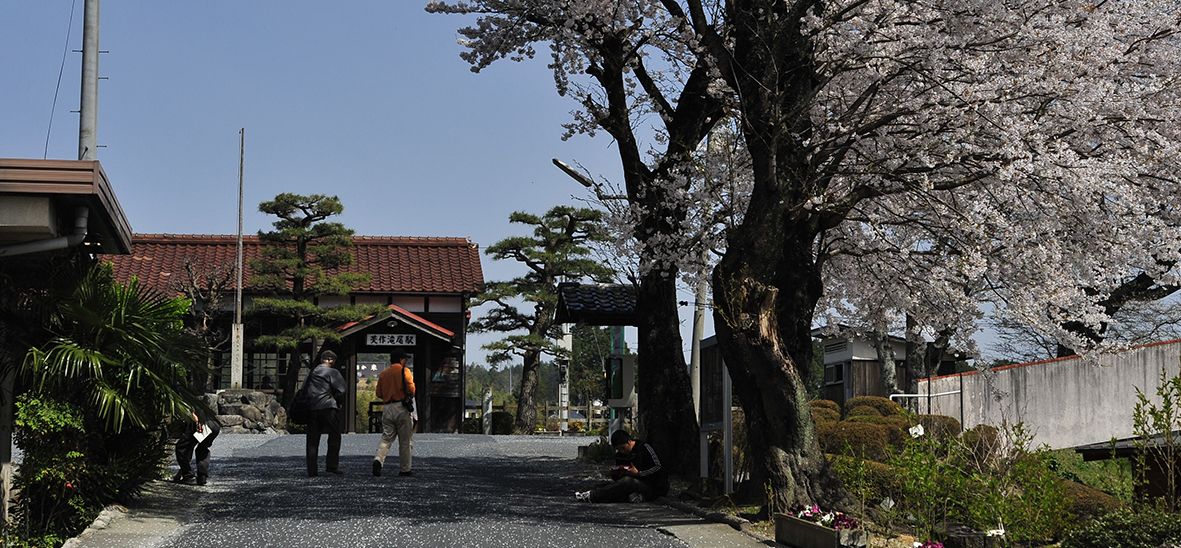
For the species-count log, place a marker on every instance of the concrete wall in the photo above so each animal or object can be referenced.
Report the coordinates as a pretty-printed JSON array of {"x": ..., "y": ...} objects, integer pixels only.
[{"x": 1065, "y": 402}]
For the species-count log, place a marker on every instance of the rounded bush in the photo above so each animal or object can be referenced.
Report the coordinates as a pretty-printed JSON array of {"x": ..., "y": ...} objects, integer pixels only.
[
  {"x": 1088, "y": 503},
  {"x": 868, "y": 480},
  {"x": 983, "y": 440},
  {"x": 863, "y": 411},
  {"x": 472, "y": 425},
  {"x": 885, "y": 406},
  {"x": 823, "y": 414},
  {"x": 854, "y": 439},
  {"x": 502, "y": 423},
  {"x": 826, "y": 404},
  {"x": 939, "y": 426}
]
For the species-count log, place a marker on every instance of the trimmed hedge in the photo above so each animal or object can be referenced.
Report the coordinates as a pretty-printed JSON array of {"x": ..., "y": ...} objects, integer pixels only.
[
  {"x": 863, "y": 411},
  {"x": 822, "y": 414},
  {"x": 884, "y": 406},
  {"x": 873, "y": 481},
  {"x": 1088, "y": 503},
  {"x": 939, "y": 426},
  {"x": 854, "y": 439},
  {"x": 826, "y": 404}
]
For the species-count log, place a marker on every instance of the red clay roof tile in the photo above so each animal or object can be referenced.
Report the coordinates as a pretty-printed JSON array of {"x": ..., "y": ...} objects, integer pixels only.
[{"x": 395, "y": 264}]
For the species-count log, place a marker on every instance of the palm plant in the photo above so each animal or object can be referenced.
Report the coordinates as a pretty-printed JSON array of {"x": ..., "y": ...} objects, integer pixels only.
[{"x": 117, "y": 350}]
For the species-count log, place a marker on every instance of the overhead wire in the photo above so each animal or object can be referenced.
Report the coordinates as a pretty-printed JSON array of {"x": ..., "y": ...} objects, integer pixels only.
[{"x": 60, "y": 71}]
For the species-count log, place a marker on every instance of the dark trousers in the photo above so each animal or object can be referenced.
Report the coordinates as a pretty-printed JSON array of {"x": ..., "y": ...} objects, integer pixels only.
[
  {"x": 186, "y": 444},
  {"x": 323, "y": 421},
  {"x": 620, "y": 489}
]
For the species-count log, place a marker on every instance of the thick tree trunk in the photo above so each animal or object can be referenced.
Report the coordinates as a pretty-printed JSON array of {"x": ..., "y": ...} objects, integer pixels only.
[
  {"x": 764, "y": 298},
  {"x": 667, "y": 419},
  {"x": 885, "y": 350},
  {"x": 526, "y": 420}
]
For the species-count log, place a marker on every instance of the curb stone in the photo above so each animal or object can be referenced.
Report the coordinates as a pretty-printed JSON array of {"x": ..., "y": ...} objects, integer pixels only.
[
  {"x": 104, "y": 519},
  {"x": 739, "y": 524}
]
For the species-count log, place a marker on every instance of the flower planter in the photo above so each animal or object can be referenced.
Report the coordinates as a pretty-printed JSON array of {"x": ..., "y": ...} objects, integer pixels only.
[{"x": 797, "y": 533}]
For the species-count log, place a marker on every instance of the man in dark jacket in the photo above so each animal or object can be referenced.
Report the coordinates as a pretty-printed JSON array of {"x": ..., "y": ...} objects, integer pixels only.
[
  {"x": 197, "y": 435},
  {"x": 325, "y": 388},
  {"x": 637, "y": 473}
]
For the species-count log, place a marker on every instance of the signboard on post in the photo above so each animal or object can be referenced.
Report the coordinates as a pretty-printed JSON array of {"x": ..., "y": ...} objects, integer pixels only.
[{"x": 621, "y": 380}]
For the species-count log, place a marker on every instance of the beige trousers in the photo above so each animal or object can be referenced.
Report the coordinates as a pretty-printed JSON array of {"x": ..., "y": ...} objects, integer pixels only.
[{"x": 396, "y": 423}]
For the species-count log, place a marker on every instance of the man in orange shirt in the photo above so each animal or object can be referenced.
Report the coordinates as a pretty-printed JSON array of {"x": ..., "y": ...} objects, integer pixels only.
[{"x": 395, "y": 387}]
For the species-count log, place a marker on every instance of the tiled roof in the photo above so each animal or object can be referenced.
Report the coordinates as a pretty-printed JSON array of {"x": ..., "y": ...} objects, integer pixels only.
[
  {"x": 596, "y": 304},
  {"x": 395, "y": 264},
  {"x": 394, "y": 310}
]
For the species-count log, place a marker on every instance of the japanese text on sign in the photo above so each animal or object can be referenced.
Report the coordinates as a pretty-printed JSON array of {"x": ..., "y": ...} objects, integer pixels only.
[{"x": 391, "y": 340}]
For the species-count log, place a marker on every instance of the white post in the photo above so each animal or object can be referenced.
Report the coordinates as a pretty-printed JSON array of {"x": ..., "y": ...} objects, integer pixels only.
[
  {"x": 567, "y": 343},
  {"x": 487, "y": 411},
  {"x": 237, "y": 343}
]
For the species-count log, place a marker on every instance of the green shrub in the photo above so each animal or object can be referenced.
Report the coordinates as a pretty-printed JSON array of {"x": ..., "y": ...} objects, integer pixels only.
[
  {"x": 983, "y": 441},
  {"x": 939, "y": 427},
  {"x": 472, "y": 425},
  {"x": 1087, "y": 503},
  {"x": 600, "y": 451},
  {"x": 364, "y": 396},
  {"x": 863, "y": 411},
  {"x": 870, "y": 481},
  {"x": 502, "y": 423},
  {"x": 885, "y": 406},
  {"x": 1147, "y": 528},
  {"x": 821, "y": 414},
  {"x": 854, "y": 439},
  {"x": 56, "y": 493},
  {"x": 826, "y": 404}
]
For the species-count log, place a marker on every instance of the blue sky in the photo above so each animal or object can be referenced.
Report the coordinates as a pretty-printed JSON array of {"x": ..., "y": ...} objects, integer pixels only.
[{"x": 367, "y": 100}]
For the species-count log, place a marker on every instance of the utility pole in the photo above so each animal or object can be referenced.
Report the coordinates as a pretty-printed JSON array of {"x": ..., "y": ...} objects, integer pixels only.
[
  {"x": 236, "y": 344},
  {"x": 88, "y": 109}
]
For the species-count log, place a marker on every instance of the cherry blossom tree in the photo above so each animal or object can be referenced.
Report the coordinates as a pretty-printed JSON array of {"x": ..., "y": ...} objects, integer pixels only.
[
  {"x": 908, "y": 162},
  {"x": 642, "y": 70}
]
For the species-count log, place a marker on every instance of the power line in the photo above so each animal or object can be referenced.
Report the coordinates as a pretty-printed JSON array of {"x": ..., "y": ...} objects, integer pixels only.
[{"x": 60, "y": 71}]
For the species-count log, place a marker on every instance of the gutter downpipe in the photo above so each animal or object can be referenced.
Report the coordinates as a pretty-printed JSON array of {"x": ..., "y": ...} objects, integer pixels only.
[{"x": 82, "y": 214}]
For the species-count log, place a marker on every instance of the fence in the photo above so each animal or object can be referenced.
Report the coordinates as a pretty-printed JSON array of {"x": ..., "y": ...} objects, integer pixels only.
[{"x": 590, "y": 417}]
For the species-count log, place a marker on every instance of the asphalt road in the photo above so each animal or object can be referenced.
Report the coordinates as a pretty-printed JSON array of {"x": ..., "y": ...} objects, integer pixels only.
[{"x": 485, "y": 491}]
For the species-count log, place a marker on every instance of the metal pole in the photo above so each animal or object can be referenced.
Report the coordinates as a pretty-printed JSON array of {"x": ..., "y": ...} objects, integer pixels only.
[
  {"x": 695, "y": 349},
  {"x": 237, "y": 343},
  {"x": 88, "y": 109}
]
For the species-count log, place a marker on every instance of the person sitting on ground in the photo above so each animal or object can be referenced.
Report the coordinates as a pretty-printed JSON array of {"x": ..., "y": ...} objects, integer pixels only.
[{"x": 637, "y": 474}]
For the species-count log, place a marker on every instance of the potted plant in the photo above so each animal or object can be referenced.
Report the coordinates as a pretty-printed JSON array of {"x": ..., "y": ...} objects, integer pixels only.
[{"x": 811, "y": 527}]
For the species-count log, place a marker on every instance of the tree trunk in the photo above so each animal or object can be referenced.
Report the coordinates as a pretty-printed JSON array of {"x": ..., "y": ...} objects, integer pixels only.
[
  {"x": 526, "y": 420},
  {"x": 663, "y": 390},
  {"x": 885, "y": 349},
  {"x": 765, "y": 290}
]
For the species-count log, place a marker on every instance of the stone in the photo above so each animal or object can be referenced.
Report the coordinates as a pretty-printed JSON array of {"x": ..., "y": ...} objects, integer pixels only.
[
  {"x": 258, "y": 399},
  {"x": 235, "y": 430},
  {"x": 230, "y": 420},
  {"x": 230, "y": 408},
  {"x": 251, "y": 413}
]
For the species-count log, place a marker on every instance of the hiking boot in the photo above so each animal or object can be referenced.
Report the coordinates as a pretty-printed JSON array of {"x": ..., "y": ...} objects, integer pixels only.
[
  {"x": 186, "y": 479},
  {"x": 377, "y": 468},
  {"x": 408, "y": 473},
  {"x": 582, "y": 496},
  {"x": 635, "y": 497}
]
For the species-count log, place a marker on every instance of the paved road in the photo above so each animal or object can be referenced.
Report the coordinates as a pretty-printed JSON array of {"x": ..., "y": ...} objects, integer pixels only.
[{"x": 485, "y": 491}]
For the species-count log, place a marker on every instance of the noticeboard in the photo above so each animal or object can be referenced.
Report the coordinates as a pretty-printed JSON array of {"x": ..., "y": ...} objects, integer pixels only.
[{"x": 712, "y": 383}]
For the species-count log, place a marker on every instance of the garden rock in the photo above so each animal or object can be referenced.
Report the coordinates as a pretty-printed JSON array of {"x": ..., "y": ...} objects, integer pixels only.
[{"x": 248, "y": 412}]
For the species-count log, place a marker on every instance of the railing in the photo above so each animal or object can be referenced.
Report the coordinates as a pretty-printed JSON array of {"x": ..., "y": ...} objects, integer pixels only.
[{"x": 549, "y": 416}]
